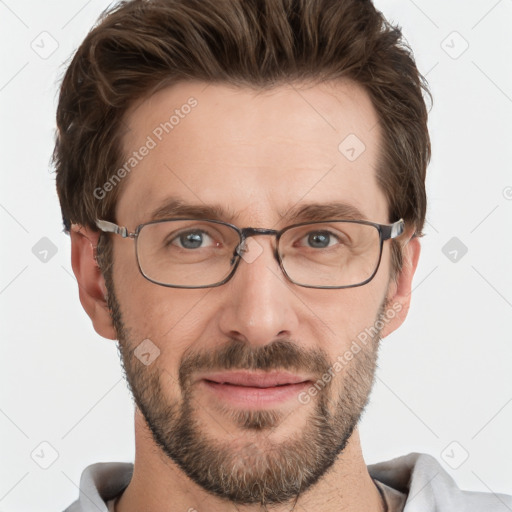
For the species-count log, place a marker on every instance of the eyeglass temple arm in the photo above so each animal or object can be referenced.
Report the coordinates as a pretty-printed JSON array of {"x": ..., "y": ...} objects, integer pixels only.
[
  {"x": 110, "y": 227},
  {"x": 394, "y": 230}
]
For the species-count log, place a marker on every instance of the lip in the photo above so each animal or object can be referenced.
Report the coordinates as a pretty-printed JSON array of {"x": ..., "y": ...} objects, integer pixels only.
[
  {"x": 253, "y": 390},
  {"x": 255, "y": 379}
]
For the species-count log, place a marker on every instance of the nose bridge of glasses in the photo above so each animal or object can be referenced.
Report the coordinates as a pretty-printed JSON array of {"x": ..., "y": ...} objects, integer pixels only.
[{"x": 251, "y": 232}]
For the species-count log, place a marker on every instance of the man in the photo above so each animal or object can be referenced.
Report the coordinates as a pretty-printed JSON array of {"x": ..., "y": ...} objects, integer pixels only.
[{"x": 243, "y": 183}]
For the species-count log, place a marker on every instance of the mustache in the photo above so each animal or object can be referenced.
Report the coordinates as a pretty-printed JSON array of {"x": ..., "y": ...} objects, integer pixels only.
[{"x": 239, "y": 355}]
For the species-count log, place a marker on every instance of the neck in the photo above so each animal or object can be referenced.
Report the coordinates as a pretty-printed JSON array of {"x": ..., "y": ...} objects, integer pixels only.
[{"x": 159, "y": 484}]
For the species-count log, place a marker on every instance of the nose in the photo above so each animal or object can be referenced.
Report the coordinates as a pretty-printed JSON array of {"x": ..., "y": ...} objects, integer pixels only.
[{"x": 260, "y": 304}]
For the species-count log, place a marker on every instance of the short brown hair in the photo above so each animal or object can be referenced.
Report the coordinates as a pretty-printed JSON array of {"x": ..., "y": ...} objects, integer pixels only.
[{"x": 140, "y": 46}]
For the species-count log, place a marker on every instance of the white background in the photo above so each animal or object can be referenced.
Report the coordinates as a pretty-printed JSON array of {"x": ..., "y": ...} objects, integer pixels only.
[{"x": 444, "y": 377}]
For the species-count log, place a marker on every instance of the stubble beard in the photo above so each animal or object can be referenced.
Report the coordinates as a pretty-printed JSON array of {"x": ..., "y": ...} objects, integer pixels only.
[{"x": 253, "y": 469}]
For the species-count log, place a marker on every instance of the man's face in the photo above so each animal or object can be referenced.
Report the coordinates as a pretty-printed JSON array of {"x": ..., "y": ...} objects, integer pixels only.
[{"x": 255, "y": 156}]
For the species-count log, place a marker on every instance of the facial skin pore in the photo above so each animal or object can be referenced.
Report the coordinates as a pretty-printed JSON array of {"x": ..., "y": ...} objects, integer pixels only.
[{"x": 255, "y": 155}]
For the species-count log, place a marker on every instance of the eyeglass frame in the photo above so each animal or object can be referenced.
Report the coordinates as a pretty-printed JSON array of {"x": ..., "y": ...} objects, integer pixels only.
[{"x": 386, "y": 232}]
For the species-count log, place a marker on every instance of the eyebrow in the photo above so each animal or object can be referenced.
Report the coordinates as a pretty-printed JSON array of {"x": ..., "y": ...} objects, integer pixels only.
[
  {"x": 309, "y": 212},
  {"x": 174, "y": 207},
  {"x": 333, "y": 210}
]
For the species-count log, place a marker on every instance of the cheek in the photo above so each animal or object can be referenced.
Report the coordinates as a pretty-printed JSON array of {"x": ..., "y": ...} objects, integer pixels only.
[
  {"x": 171, "y": 318},
  {"x": 340, "y": 316}
]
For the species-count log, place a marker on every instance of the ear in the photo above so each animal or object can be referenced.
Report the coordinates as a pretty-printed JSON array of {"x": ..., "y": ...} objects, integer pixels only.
[
  {"x": 91, "y": 284},
  {"x": 399, "y": 295}
]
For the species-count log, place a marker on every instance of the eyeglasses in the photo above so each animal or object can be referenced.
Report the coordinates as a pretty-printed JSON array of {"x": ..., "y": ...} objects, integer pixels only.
[{"x": 196, "y": 253}]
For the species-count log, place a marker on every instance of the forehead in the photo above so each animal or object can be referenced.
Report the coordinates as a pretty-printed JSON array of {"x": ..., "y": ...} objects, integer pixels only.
[{"x": 253, "y": 154}]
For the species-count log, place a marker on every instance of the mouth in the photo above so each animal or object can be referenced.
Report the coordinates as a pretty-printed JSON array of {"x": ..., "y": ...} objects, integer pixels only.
[
  {"x": 255, "y": 379},
  {"x": 254, "y": 389}
]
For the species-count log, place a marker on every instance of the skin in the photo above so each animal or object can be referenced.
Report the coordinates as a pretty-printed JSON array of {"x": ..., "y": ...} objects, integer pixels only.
[{"x": 260, "y": 154}]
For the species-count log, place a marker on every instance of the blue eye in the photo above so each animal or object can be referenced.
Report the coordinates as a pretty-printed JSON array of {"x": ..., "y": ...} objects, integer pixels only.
[
  {"x": 192, "y": 239},
  {"x": 319, "y": 239}
]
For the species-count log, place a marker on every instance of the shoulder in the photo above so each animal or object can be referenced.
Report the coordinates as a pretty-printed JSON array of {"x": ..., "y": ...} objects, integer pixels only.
[
  {"x": 100, "y": 483},
  {"x": 430, "y": 488}
]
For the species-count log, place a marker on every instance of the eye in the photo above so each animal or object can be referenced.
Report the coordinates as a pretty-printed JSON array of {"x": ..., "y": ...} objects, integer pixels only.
[
  {"x": 192, "y": 239},
  {"x": 319, "y": 239}
]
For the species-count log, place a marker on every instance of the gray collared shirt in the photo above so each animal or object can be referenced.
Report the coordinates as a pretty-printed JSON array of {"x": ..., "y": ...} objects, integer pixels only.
[{"x": 412, "y": 483}]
